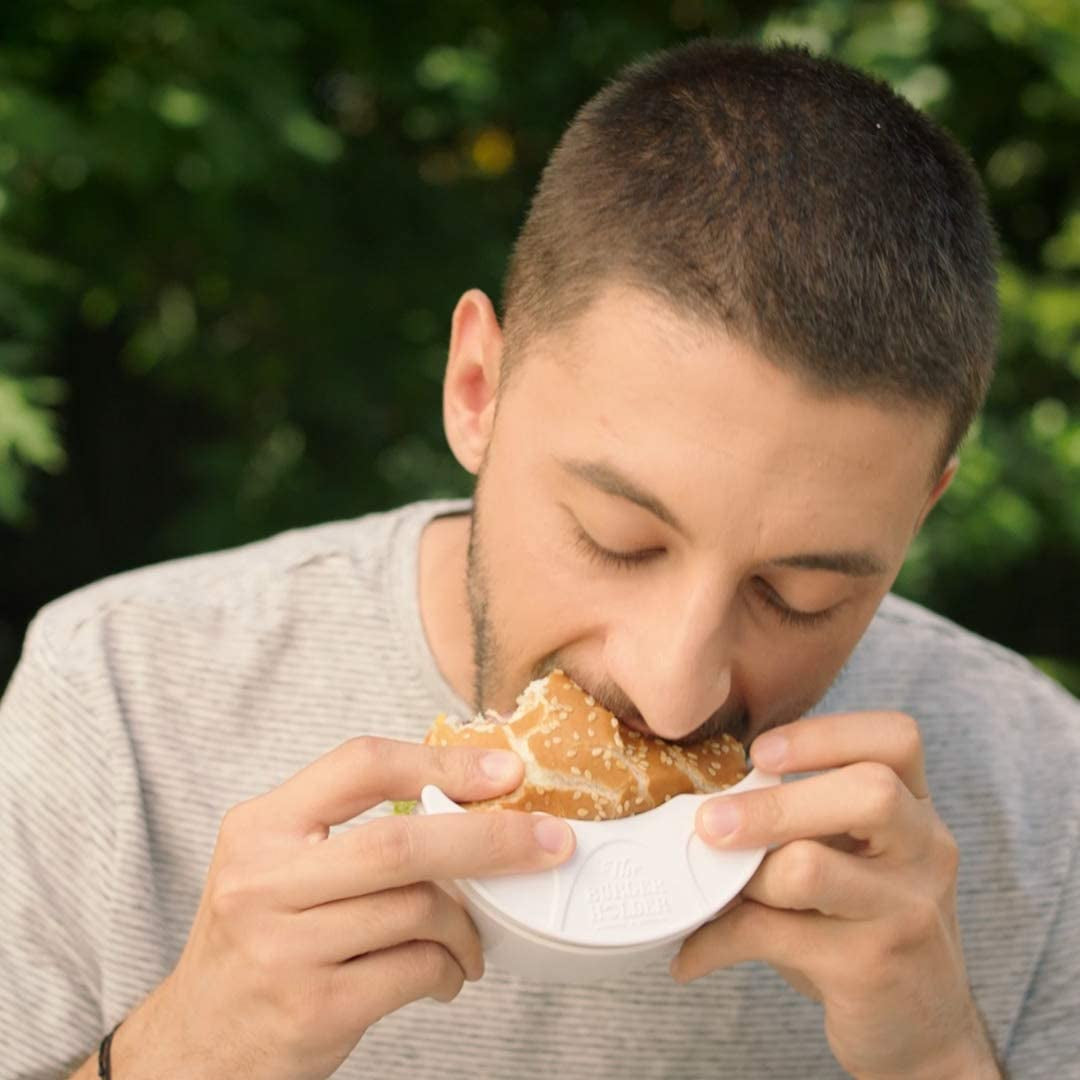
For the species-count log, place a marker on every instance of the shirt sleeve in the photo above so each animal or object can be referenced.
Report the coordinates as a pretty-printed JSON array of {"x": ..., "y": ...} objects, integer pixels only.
[
  {"x": 56, "y": 835},
  {"x": 1046, "y": 1038}
]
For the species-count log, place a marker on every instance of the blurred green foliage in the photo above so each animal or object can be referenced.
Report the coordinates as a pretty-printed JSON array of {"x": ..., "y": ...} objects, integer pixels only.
[{"x": 231, "y": 235}]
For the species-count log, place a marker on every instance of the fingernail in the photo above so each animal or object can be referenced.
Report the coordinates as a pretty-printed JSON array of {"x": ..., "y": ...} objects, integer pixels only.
[
  {"x": 500, "y": 765},
  {"x": 720, "y": 818},
  {"x": 769, "y": 751},
  {"x": 552, "y": 834}
]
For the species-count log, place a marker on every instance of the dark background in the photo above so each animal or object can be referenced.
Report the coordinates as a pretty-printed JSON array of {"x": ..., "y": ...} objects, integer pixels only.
[{"x": 232, "y": 234}]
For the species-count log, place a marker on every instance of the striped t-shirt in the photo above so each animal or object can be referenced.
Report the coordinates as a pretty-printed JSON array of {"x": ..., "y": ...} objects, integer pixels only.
[{"x": 147, "y": 704}]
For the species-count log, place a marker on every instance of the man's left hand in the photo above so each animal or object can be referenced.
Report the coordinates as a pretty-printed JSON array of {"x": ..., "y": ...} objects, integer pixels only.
[{"x": 856, "y": 905}]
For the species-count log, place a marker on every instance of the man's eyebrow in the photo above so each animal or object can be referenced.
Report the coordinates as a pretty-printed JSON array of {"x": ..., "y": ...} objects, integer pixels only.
[
  {"x": 608, "y": 479},
  {"x": 852, "y": 563}
]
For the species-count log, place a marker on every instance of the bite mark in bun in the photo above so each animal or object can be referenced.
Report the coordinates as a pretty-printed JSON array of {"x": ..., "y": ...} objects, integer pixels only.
[{"x": 581, "y": 763}]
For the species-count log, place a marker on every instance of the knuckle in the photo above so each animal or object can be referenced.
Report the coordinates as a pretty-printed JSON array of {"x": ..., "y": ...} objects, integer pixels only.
[
  {"x": 457, "y": 764},
  {"x": 237, "y": 822},
  {"x": 420, "y": 903},
  {"x": 882, "y": 790},
  {"x": 507, "y": 838},
  {"x": 391, "y": 844},
  {"x": 430, "y": 962},
  {"x": 230, "y": 896},
  {"x": 803, "y": 868},
  {"x": 444, "y": 761},
  {"x": 364, "y": 751},
  {"x": 440, "y": 971},
  {"x": 946, "y": 854},
  {"x": 907, "y": 735},
  {"x": 768, "y": 813},
  {"x": 919, "y": 921}
]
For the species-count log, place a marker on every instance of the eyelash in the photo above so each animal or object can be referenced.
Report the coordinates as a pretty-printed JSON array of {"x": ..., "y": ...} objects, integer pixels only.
[
  {"x": 604, "y": 556},
  {"x": 628, "y": 560}
]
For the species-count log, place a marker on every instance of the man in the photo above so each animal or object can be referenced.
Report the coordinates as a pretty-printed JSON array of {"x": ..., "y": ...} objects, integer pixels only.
[{"x": 747, "y": 323}]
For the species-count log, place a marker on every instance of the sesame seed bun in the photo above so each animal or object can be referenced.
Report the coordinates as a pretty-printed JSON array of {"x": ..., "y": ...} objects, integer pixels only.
[{"x": 581, "y": 763}]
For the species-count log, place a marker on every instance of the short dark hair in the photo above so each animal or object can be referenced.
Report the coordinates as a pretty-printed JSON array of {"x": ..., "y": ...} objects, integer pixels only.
[{"x": 802, "y": 205}]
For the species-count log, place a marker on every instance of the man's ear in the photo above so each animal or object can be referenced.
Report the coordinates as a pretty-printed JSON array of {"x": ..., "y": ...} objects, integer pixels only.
[
  {"x": 472, "y": 378},
  {"x": 939, "y": 489}
]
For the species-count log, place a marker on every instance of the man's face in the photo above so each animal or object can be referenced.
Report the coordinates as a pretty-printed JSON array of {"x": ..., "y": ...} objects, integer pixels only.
[{"x": 692, "y": 535}]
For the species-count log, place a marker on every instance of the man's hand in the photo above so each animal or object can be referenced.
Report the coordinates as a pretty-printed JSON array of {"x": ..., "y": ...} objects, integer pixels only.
[
  {"x": 856, "y": 906},
  {"x": 303, "y": 940}
]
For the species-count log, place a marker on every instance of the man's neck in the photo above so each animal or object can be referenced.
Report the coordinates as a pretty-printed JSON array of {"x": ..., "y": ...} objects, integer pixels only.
[{"x": 444, "y": 605}]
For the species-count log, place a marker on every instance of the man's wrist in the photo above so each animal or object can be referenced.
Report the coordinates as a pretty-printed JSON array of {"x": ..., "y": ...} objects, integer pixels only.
[{"x": 973, "y": 1060}]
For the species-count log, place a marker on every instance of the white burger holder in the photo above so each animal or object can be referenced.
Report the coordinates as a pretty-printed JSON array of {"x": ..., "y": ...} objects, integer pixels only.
[{"x": 632, "y": 891}]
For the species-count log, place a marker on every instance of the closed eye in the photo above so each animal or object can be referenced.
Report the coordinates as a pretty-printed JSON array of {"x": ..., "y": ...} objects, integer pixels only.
[
  {"x": 627, "y": 560},
  {"x": 623, "y": 560},
  {"x": 789, "y": 615}
]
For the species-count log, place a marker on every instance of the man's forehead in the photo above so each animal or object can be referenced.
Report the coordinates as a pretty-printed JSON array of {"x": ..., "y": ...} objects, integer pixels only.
[{"x": 630, "y": 360}]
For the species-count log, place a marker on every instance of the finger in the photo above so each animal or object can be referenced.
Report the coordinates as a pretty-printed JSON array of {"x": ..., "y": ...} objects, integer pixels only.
[
  {"x": 798, "y": 941},
  {"x": 373, "y": 986},
  {"x": 367, "y": 770},
  {"x": 830, "y": 742},
  {"x": 339, "y": 931},
  {"x": 809, "y": 876},
  {"x": 866, "y": 801},
  {"x": 394, "y": 851}
]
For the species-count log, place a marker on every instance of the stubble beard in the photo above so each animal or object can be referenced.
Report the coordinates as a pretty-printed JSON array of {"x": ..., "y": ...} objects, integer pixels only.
[{"x": 476, "y": 586}]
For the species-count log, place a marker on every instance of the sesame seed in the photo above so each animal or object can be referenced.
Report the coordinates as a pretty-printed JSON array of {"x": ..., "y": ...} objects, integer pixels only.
[
  {"x": 571, "y": 753},
  {"x": 591, "y": 732},
  {"x": 666, "y": 797},
  {"x": 591, "y": 717},
  {"x": 597, "y": 751},
  {"x": 589, "y": 699},
  {"x": 575, "y": 770},
  {"x": 577, "y": 795},
  {"x": 557, "y": 740},
  {"x": 639, "y": 800},
  {"x": 583, "y": 812},
  {"x": 547, "y": 742},
  {"x": 577, "y": 735},
  {"x": 588, "y": 775}
]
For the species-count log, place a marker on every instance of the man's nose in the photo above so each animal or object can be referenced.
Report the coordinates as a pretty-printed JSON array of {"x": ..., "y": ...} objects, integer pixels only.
[{"x": 677, "y": 668}]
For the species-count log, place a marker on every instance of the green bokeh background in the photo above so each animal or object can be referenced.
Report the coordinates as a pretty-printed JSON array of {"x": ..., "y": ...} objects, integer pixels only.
[{"x": 232, "y": 234}]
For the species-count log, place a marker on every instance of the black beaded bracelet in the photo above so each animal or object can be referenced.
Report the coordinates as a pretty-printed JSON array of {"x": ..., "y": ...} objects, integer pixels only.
[{"x": 104, "y": 1065}]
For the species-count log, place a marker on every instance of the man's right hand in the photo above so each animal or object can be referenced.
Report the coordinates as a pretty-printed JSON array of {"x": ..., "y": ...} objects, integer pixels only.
[{"x": 303, "y": 940}]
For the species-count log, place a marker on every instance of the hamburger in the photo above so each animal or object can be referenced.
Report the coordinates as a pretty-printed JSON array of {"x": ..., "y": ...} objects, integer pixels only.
[{"x": 582, "y": 763}]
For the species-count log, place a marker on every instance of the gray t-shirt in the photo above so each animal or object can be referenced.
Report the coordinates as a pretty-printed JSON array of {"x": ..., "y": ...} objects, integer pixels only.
[{"x": 147, "y": 704}]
